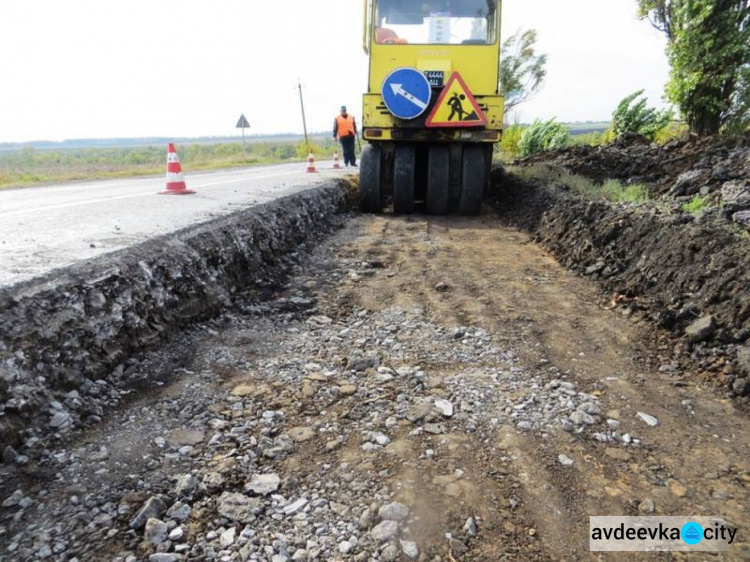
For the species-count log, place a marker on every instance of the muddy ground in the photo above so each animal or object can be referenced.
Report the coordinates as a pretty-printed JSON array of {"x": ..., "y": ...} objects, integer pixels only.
[
  {"x": 687, "y": 273},
  {"x": 421, "y": 388}
]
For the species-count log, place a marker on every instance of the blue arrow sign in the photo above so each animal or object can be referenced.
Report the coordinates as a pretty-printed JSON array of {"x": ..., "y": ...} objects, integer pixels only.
[{"x": 406, "y": 93}]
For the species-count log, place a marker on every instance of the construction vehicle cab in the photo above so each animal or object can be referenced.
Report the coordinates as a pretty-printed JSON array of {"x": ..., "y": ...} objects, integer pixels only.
[{"x": 432, "y": 112}]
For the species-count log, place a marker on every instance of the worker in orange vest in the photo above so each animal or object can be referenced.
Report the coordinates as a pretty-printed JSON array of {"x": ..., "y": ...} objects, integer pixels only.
[{"x": 345, "y": 129}]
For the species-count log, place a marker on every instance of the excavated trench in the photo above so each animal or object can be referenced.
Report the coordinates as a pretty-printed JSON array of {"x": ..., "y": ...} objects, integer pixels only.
[
  {"x": 71, "y": 329},
  {"x": 312, "y": 384},
  {"x": 79, "y": 328}
]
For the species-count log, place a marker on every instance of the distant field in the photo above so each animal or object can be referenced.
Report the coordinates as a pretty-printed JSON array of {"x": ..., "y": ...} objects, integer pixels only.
[
  {"x": 75, "y": 144},
  {"x": 30, "y": 166},
  {"x": 44, "y": 162},
  {"x": 586, "y": 128}
]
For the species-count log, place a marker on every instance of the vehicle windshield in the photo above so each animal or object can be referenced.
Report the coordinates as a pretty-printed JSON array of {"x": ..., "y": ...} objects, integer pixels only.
[{"x": 436, "y": 22}]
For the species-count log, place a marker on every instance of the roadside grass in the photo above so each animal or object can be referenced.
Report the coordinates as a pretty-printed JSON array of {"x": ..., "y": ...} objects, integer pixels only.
[
  {"x": 611, "y": 190},
  {"x": 615, "y": 191},
  {"x": 696, "y": 205},
  {"x": 30, "y": 166}
]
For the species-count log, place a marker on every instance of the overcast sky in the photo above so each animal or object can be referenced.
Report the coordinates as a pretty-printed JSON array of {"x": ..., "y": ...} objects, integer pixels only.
[{"x": 187, "y": 68}]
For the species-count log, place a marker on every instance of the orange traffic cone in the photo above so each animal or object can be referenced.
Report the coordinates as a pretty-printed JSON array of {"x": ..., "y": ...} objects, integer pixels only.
[
  {"x": 175, "y": 182},
  {"x": 336, "y": 163},
  {"x": 311, "y": 164}
]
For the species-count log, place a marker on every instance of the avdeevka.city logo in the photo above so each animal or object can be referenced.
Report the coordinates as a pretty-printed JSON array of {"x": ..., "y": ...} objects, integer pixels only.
[
  {"x": 691, "y": 533},
  {"x": 661, "y": 533}
]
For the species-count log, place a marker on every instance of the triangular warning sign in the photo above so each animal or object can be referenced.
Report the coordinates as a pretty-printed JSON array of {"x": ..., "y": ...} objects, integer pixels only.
[
  {"x": 456, "y": 106},
  {"x": 242, "y": 123}
]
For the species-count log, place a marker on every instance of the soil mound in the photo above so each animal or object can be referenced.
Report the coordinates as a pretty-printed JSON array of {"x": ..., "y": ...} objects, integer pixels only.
[
  {"x": 688, "y": 273},
  {"x": 716, "y": 167}
]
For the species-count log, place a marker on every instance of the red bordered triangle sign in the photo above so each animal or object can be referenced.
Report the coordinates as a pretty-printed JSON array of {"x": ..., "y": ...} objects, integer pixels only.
[{"x": 456, "y": 107}]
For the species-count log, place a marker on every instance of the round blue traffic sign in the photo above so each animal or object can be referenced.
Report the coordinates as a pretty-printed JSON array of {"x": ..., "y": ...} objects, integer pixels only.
[{"x": 406, "y": 93}]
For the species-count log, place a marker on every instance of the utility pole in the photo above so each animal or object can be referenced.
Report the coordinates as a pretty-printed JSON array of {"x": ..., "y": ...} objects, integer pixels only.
[{"x": 304, "y": 124}]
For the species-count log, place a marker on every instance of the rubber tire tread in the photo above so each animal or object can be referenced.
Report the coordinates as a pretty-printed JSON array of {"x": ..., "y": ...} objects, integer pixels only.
[
  {"x": 370, "y": 199},
  {"x": 404, "y": 162},
  {"x": 473, "y": 180},
  {"x": 438, "y": 179}
]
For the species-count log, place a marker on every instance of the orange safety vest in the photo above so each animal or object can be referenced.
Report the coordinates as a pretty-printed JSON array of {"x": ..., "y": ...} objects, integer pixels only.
[{"x": 344, "y": 125}]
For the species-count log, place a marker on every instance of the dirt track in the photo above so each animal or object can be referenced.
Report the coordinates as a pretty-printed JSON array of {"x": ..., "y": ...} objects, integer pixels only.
[
  {"x": 550, "y": 319},
  {"x": 332, "y": 387}
]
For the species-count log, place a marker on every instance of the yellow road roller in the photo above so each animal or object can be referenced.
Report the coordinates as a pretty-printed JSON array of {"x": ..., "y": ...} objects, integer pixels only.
[{"x": 433, "y": 110}]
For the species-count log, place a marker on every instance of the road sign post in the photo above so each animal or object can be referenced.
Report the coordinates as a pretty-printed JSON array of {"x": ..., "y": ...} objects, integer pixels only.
[{"x": 241, "y": 124}]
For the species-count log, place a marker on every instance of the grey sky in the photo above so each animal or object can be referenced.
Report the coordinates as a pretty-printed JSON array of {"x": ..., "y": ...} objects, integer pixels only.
[{"x": 91, "y": 68}]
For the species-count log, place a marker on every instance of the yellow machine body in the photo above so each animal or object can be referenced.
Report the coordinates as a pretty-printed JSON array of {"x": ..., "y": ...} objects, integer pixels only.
[
  {"x": 432, "y": 112},
  {"x": 477, "y": 64}
]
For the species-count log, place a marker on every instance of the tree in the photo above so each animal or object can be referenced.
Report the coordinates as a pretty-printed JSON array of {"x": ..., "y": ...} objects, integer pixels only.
[
  {"x": 632, "y": 116},
  {"x": 709, "y": 53},
  {"x": 738, "y": 120},
  {"x": 522, "y": 71}
]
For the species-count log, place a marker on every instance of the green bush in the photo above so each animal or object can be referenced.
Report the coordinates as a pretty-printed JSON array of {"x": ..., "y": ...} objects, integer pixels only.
[
  {"x": 608, "y": 137},
  {"x": 304, "y": 149},
  {"x": 672, "y": 131},
  {"x": 632, "y": 116},
  {"x": 509, "y": 144},
  {"x": 543, "y": 135}
]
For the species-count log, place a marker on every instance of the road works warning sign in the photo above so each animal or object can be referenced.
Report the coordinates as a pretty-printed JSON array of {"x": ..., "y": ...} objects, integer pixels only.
[{"x": 456, "y": 107}]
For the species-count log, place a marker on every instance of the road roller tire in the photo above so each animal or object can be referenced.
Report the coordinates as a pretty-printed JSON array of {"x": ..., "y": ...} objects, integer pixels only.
[
  {"x": 438, "y": 180},
  {"x": 473, "y": 180},
  {"x": 370, "y": 200},
  {"x": 404, "y": 162}
]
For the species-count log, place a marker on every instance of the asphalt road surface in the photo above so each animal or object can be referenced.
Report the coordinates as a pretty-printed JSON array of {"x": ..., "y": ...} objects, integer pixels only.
[{"x": 45, "y": 228}]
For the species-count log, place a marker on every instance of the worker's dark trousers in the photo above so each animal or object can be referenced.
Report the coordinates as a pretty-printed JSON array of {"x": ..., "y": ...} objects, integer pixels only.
[{"x": 347, "y": 147}]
